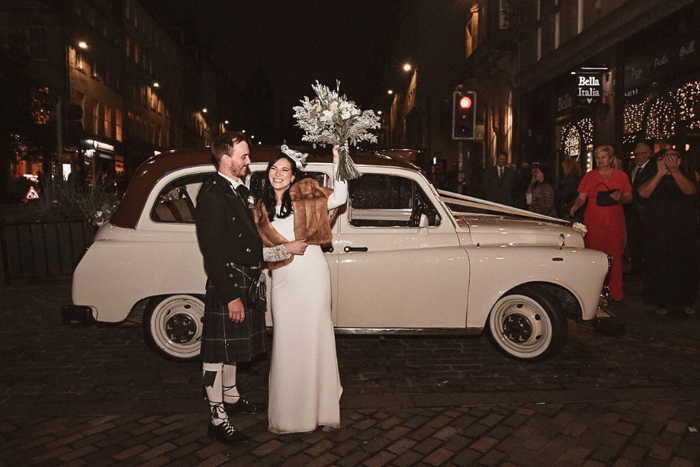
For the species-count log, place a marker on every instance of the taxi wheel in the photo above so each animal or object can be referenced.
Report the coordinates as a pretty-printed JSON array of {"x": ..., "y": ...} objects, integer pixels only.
[
  {"x": 528, "y": 324},
  {"x": 172, "y": 326}
]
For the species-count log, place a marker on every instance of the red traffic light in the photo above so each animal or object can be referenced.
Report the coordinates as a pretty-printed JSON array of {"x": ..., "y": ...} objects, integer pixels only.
[{"x": 463, "y": 114}]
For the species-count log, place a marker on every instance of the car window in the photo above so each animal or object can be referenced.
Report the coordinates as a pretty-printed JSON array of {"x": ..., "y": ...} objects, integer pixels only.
[
  {"x": 176, "y": 201},
  {"x": 257, "y": 178},
  {"x": 378, "y": 200}
]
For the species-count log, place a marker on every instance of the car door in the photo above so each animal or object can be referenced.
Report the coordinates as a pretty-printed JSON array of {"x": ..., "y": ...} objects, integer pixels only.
[{"x": 391, "y": 272}]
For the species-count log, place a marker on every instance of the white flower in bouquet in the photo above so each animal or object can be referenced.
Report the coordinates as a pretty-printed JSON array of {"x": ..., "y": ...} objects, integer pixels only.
[{"x": 330, "y": 118}]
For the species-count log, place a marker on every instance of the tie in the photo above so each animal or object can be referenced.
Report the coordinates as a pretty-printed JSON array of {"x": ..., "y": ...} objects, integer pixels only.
[
  {"x": 243, "y": 193},
  {"x": 500, "y": 172},
  {"x": 634, "y": 173}
]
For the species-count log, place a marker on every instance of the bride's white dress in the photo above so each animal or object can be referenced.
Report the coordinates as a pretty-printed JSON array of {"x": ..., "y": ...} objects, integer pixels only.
[{"x": 305, "y": 385}]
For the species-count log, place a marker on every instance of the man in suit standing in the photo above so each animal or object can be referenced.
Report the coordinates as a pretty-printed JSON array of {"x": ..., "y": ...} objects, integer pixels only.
[
  {"x": 233, "y": 328},
  {"x": 641, "y": 171},
  {"x": 499, "y": 181}
]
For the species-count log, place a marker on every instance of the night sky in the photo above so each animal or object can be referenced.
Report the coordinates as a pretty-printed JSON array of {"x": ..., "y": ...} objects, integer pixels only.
[{"x": 295, "y": 42}]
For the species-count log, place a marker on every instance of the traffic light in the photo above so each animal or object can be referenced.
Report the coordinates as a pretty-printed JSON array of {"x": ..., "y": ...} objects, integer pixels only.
[
  {"x": 72, "y": 125},
  {"x": 463, "y": 114}
]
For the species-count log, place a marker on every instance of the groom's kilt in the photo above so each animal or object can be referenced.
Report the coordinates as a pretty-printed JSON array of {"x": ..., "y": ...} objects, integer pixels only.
[{"x": 224, "y": 341}]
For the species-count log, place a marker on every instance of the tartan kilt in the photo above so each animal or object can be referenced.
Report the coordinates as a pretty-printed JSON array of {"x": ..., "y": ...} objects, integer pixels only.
[{"x": 224, "y": 341}]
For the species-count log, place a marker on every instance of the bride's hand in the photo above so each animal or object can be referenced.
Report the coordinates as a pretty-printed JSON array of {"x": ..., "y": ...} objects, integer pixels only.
[
  {"x": 336, "y": 152},
  {"x": 297, "y": 247}
]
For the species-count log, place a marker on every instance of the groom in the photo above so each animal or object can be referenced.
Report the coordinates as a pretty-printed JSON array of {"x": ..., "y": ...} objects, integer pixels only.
[{"x": 233, "y": 329}]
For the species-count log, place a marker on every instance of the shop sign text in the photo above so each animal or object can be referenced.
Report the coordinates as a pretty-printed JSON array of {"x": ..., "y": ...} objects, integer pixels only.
[
  {"x": 564, "y": 102},
  {"x": 588, "y": 89}
]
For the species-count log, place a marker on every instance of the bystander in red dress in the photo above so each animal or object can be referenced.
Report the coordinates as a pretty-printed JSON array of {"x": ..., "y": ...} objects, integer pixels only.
[{"x": 606, "y": 224}]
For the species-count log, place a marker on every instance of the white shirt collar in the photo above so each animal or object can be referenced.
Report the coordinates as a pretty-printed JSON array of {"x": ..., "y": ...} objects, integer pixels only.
[
  {"x": 233, "y": 182},
  {"x": 640, "y": 167}
]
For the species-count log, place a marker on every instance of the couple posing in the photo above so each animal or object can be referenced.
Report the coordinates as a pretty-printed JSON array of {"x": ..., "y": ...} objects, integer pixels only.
[{"x": 237, "y": 237}]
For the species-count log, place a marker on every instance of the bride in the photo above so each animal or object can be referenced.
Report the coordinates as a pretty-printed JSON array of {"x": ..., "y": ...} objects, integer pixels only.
[{"x": 305, "y": 385}]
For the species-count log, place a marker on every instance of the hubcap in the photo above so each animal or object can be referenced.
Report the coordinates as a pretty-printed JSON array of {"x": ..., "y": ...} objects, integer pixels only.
[
  {"x": 517, "y": 328},
  {"x": 180, "y": 328},
  {"x": 520, "y": 326}
]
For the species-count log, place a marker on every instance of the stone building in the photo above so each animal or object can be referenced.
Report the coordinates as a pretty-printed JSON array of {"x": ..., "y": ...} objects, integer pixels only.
[
  {"x": 134, "y": 85},
  {"x": 608, "y": 72},
  {"x": 553, "y": 78}
]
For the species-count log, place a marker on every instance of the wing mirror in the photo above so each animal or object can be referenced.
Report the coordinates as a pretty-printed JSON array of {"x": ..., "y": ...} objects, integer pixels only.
[{"x": 423, "y": 225}]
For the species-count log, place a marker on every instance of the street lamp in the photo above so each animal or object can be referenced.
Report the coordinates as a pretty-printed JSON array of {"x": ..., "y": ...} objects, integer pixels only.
[
  {"x": 390, "y": 92},
  {"x": 407, "y": 67},
  {"x": 82, "y": 45},
  {"x": 204, "y": 110}
]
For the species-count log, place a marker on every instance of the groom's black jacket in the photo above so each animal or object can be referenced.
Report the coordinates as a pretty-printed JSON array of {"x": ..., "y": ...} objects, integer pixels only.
[{"x": 227, "y": 236}]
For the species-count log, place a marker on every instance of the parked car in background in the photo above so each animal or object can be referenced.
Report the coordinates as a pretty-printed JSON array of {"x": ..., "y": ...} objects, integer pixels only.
[{"x": 405, "y": 258}]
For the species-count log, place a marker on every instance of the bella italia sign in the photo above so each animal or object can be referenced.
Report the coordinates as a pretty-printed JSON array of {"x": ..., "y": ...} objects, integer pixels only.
[
  {"x": 588, "y": 89},
  {"x": 584, "y": 90}
]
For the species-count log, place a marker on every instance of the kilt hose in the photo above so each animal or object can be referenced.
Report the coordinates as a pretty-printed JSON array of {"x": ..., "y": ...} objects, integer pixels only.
[{"x": 224, "y": 341}]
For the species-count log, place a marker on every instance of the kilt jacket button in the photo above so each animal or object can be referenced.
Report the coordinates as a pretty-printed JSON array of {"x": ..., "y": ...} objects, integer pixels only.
[
  {"x": 235, "y": 285},
  {"x": 233, "y": 218},
  {"x": 240, "y": 235},
  {"x": 231, "y": 276},
  {"x": 247, "y": 250}
]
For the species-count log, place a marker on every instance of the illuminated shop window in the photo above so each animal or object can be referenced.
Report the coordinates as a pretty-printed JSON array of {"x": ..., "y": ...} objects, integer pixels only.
[
  {"x": 576, "y": 137},
  {"x": 661, "y": 122},
  {"x": 688, "y": 98},
  {"x": 634, "y": 120}
]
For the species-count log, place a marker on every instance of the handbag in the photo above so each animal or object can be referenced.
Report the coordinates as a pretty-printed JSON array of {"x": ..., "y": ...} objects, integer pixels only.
[{"x": 604, "y": 197}]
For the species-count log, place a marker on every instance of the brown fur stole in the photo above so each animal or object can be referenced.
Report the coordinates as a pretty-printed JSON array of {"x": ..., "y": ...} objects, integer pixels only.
[{"x": 312, "y": 220}]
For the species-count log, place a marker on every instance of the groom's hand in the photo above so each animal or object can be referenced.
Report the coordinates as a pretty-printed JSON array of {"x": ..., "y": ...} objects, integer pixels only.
[{"x": 236, "y": 311}]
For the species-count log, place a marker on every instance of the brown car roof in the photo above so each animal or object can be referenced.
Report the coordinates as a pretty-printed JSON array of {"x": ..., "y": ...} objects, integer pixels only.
[{"x": 148, "y": 174}]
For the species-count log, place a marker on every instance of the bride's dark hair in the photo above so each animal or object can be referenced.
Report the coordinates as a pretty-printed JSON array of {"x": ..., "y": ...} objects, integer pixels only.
[{"x": 269, "y": 199}]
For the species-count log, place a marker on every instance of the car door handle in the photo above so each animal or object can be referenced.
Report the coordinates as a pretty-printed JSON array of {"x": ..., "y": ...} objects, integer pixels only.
[
  {"x": 348, "y": 249},
  {"x": 327, "y": 249}
]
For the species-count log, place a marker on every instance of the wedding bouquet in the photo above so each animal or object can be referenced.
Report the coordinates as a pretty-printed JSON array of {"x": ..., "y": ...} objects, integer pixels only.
[{"x": 330, "y": 118}]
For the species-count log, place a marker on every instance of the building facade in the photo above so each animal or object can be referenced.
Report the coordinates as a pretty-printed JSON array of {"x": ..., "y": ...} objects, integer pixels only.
[
  {"x": 607, "y": 72},
  {"x": 470, "y": 46},
  {"x": 126, "y": 86},
  {"x": 553, "y": 79}
]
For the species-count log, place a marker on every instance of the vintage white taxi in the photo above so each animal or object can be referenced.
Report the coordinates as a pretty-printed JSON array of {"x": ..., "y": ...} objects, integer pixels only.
[{"x": 405, "y": 258}]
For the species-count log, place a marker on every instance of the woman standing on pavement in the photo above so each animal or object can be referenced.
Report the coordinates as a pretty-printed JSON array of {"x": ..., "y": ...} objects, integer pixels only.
[
  {"x": 540, "y": 193},
  {"x": 606, "y": 189},
  {"x": 671, "y": 245}
]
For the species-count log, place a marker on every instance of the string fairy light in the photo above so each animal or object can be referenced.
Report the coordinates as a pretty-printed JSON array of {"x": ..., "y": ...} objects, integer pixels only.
[{"x": 661, "y": 122}]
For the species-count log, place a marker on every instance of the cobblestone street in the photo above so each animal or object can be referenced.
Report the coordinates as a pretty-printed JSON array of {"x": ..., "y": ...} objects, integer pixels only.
[{"x": 95, "y": 395}]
